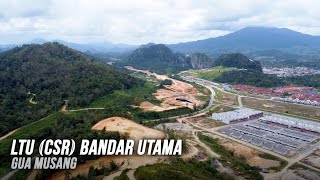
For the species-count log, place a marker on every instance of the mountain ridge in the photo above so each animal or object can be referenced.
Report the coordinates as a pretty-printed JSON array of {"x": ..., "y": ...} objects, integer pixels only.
[{"x": 250, "y": 38}]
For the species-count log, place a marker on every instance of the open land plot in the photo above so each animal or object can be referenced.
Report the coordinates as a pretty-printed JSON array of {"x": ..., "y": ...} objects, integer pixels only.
[
  {"x": 252, "y": 156},
  {"x": 148, "y": 106},
  {"x": 313, "y": 159},
  {"x": 209, "y": 123},
  {"x": 227, "y": 98},
  {"x": 146, "y": 77},
  {"x": 195, "y": 151},
  {"x": 245, "y": 161},
  {"x": 208, "y": 74},
  {"x": 202, "y": 120},
  {"x": 219, "y": 108},
  {"x": 300, "y": 172},
  {"x": 123, "y": 162},
  {"x": 283, "y": 108},
  {"x": 134, "y": 130},
  {"x": 122, "y": 125}
]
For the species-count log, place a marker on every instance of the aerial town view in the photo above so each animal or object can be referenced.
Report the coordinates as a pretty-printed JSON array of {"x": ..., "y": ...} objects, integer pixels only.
[{"x": 160, "y": 90}]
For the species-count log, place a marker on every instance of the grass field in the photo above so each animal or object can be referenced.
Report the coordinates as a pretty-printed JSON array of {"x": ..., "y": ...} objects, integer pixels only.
[
  {"x": 295, "y": 110},
  {"x": 209, "y": 74},
  {"x": 217, "y": 108},
  {"x": 226, "y": 97}
]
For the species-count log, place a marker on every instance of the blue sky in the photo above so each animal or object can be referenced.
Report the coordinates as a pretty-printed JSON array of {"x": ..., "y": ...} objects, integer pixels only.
[{"x": 138, "y": 22}]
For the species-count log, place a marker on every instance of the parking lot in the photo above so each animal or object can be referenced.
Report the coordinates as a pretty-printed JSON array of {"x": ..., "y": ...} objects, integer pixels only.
[{"x": 279, "y": 138}]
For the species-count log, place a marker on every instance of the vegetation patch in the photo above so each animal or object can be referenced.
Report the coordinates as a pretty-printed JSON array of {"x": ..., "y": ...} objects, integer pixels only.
[
  {"x": 54, "y": 73},
  {"x": 219, "y": 108},
  {"x": 123, "y": 176},
  {"x": 180, "y": 170},
  {"x": 295, "y": 110},
  {"x": 253, "y": 78},
  {"x": 208, "y": 74},
  {"x": 228, "y": 158},
  {"x": 226, "y": 97},
  {"x": 128, "y": 97},
  {"x": 283, "y": 163}
]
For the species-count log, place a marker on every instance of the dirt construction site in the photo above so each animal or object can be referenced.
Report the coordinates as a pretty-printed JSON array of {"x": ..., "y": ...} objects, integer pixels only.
[
  {"x": 168, "y": 95},
  {"x": 123, "y": 126},
  {"x": 135, "y": 131}
]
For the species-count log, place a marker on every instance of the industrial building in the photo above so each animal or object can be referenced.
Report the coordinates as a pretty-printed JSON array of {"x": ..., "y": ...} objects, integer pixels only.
[
  {"x": 277, "y": 133},
  {"x": 293, "y": 122},
  {"x": 239, "y": 115}
]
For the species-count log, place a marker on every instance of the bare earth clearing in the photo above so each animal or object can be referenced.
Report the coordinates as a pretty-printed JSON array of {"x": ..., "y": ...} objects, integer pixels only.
[
  {"x": 122, "y": 125},
  {"x": 134, "y": 130},
  {"x": 148, "y": 106},
  {"x": 125, "y": 162},
  {"x": 251, "y": 155},
  {"x": 168, "y": 96},
  {"x": 300, "y": 174},
  {"x": 313, "y": 159}
]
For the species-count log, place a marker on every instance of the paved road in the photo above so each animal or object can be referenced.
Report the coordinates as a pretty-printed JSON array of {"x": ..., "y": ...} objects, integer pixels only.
[{"x": 240, "y": 101}]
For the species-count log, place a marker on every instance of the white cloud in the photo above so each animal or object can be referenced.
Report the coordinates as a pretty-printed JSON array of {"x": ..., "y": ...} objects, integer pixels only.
[{"x": 142, "y": 21}]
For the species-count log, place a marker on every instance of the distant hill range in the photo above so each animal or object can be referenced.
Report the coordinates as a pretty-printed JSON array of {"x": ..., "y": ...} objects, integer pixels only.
[
  {"x": 53, "y": 73},
  {"x": 251, "y": 38},
  {"x": 270, "y": 46},
  {"x": 159, "y": 58},
  {"x": 105, "y": 47}
]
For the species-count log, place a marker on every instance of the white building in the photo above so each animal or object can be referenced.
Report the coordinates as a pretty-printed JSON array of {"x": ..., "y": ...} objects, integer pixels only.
[
  {"x": 243, "y": 114},
  {"x": 293, "y": 122}
]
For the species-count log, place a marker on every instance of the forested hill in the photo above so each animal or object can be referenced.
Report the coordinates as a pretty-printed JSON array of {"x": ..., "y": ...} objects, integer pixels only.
[
  {"x": 54, "y": 73},
  {"x": 239, "y": 61},
  {"x": 159, "y": 58}
]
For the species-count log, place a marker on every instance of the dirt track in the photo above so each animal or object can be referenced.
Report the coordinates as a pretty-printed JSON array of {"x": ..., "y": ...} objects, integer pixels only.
[{"x": 8, "y": 134}]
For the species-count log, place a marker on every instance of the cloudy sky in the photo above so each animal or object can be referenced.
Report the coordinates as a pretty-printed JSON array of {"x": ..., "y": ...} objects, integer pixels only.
[{"x": 137, "y": 22}]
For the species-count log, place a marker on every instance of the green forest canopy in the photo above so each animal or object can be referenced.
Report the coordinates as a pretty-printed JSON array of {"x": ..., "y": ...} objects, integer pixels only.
[{"x": 54, "y": 73}]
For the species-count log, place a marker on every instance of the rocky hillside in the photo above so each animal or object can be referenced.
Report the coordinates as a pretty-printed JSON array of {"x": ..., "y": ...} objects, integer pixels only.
[
  {"x": 200, "y": 61},
  {"x": 159, "y": 58}
]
